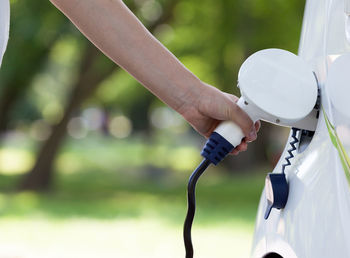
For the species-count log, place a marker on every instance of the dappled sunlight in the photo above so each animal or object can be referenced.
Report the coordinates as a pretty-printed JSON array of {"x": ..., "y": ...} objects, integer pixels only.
[
  {"x": 68, "y": 163},
  {"x": 184, "y": 159},
  {"x": 120, "y": 127},
  {"x": 127, "y": 154},
  {"x": 15, "y": 161}
]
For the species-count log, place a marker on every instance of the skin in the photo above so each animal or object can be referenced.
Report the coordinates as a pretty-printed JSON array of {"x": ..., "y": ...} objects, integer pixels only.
[{"x": 117, "y": 32}]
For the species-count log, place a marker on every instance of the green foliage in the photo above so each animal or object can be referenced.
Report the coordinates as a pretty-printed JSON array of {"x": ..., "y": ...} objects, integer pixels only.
[
  {"x": 34, "y": 28},
  {"x": 211, "y": 38},
  {"x": 222, "y": 34}
]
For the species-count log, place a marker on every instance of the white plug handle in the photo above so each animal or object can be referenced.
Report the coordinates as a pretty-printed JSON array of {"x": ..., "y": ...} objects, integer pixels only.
[{"x": 230, "y": 130}]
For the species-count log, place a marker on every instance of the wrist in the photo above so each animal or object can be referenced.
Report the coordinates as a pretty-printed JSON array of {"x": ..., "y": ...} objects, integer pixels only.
[{"x": 190, "y": 97}]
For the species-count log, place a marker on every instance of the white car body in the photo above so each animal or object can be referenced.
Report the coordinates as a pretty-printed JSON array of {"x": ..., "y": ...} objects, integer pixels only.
[
  {"x": 316, "y": 220},
  {"x": 4, "y": 26}
]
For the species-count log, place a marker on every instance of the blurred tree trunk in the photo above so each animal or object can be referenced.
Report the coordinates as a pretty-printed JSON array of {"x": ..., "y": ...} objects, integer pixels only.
[
  {"x": 40, "y": 177},
  {"x": 10, "y": 95},
  {"x": 90, "y": 76}
]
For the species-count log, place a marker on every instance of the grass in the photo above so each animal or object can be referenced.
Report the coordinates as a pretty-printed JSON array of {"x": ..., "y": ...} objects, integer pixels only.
[
  {"x": 95, "y": 213},
  {"x": 97, "y": 210}
]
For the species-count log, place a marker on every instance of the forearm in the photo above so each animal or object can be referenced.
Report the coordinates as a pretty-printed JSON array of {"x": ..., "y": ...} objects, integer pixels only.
[{"x": 112, "y": 27}]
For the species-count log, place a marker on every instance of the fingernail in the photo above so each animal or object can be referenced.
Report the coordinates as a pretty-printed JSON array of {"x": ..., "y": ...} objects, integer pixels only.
[{"x": 252, "y": 135}]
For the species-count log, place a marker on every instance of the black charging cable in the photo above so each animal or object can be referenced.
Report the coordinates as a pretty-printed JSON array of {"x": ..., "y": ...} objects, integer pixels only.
[
  {"x": 191, "y": 208},
  {"x": 216, "y": 148}
]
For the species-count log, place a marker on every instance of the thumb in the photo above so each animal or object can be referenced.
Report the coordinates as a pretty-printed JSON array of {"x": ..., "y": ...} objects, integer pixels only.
[{"x": 241, "y": 118}]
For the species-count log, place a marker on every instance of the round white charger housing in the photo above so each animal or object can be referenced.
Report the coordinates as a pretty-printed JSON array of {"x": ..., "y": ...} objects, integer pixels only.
[{"x": 281, "y": 84}]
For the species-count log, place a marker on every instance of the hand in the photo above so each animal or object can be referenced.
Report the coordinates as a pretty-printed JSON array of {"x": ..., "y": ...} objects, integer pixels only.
[{"x": 210, "y": 106}]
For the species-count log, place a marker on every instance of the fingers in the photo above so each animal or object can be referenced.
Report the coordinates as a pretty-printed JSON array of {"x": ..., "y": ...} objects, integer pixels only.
[
  {"x": 254, "y": 136},
  {"x": 242, "y": 119},
  {"x": 233, "y": 97},
  {"x": 222, "y": 107},
  {"x": 257, "y": 126},
  {"x": 216, "y": 106},
  {"x": 243, "y": 146},
  {"x": 249, "y": 128}
]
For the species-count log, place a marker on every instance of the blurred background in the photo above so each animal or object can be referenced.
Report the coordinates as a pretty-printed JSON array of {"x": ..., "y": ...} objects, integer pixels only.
[{"x": 93, "y": 165}]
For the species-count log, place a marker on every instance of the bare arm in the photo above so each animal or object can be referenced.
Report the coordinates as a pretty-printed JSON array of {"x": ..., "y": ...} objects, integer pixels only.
[{"x": 114, "y": 29}]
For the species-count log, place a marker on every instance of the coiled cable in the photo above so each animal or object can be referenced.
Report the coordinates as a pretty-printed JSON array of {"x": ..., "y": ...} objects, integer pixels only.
[{"x": 293, "y": 148}]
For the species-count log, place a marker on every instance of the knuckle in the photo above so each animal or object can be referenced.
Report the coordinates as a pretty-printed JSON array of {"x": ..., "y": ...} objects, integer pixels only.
[{"x": 248, "y": 127}]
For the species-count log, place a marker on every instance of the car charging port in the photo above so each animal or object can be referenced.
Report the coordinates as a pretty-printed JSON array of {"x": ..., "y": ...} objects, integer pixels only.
[{"x": 305, "y": 139}]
